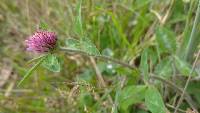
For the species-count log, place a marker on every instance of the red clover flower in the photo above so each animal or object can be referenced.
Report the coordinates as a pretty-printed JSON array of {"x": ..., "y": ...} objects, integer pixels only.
[{"x": 41, "y": 42}]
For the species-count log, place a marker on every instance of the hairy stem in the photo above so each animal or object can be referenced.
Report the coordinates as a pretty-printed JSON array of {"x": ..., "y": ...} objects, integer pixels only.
[{"x": 105, "y": 58}]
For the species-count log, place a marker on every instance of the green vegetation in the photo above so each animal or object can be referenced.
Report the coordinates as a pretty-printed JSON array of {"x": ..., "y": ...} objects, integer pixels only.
[{"x": 112, "y": 56}]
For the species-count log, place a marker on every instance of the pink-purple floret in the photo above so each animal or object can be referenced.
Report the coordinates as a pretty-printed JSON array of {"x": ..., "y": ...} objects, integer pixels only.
[{"x": 41, "y": 42}]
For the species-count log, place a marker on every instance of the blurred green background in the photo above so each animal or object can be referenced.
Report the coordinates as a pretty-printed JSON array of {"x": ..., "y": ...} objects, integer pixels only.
[{"x": 124, "y": 29}]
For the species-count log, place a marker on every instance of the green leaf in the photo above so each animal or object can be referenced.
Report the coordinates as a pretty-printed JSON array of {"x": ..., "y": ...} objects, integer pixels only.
[
  {"x": 132, "y": 75},
  {"x": 183, "y": 67},
  {"x": 166, "y": 40},
  {"x": 144, "y": 64},
  {"x": 72, "y": 43},
  {"x": 154, "y": 101},
  {"x": 164, "y": 68},
  {"x": 86, "y": 99},
  {"x": 52, "y": 63},
  {"x": 84, "y": 45},
  {"x": 30, "y": 71},
  {"x": 131, "y": 95},
  {"x": 88, "y": 47}
]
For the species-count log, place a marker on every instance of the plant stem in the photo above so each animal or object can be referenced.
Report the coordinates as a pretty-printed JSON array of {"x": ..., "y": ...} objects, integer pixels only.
[{"x": 106, "y": 58}]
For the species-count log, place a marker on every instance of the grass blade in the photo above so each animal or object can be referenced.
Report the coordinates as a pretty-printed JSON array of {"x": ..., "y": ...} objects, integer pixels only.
[
  {"x": 194, "y": 39},
  {"x": 30, "y": 71}
]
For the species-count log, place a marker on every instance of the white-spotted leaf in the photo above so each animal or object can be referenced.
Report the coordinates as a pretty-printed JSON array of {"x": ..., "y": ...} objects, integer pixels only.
[
  {"x": 164, "y": 68},
  {"x": 52, "y": 63},
  {"x": 72, "y": 43},
  {"x": 154, "y": 101},
  {"x": 166, "y": 40},
  {"x": 183, "y": 67},
  {"x": 88, "y": 47}
]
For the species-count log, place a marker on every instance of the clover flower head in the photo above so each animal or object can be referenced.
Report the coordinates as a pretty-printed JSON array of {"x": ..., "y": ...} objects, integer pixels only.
[{"x": 41, "y": 42}]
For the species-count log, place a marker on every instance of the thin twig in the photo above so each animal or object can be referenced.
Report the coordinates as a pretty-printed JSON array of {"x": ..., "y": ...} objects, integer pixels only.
[
  {"x": 164, "y": 18},
  {"x": 166, "y": 82},
  {"x": 18, "y": 90},
  {"x": 187, "y": 83},
  {"x": 171, "y": 106},
  {"x": 100, "y": 77}
]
